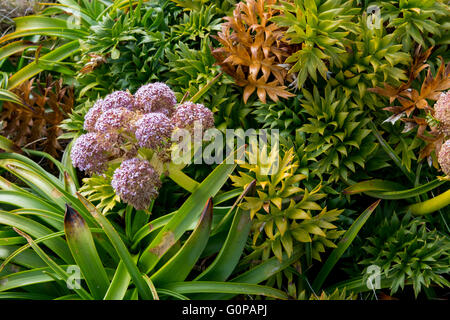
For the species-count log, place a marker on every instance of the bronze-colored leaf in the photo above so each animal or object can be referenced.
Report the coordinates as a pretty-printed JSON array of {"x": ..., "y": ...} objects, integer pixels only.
[
  {"x": 414, "y": 103},
  {"x": 252, "y": 50},
  {"x": 36, "y": 125}
]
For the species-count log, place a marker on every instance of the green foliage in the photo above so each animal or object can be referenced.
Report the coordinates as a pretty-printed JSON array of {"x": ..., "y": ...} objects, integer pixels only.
[
  {"x": 285, "y": 116},
  {"x": 197, "y": 24},
  {"x": 110, "y": 248},
  {"x": 268, "y": 228},
  {"x": 288, "y": 214},
  {"x": 130, "y": 49},
  {"x": 337, "y": 136},
  {"x": 372, "y": 57},
  {"x": 414, "y": 20},
  {"x": 335, "y": 295},
  {"x": 221, "y": 6},
  {"x": 98, "y": 190},
  {"x": 191, "y": 69},
  {"x": 321, "y": 27},
  {"x": 407, "y": 250}
]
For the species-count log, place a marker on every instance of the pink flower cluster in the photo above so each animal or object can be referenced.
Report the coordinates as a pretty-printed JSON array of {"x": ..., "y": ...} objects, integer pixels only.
[
  {"x": 136, "y": 182},
  {"x": 442, "y": 114},
  {"x": 444, "y": 157},
  {"x": 120, "y": 124}
]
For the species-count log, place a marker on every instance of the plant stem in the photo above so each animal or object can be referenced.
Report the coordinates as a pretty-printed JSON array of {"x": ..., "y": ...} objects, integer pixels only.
[{"x": 429, "y": 206}]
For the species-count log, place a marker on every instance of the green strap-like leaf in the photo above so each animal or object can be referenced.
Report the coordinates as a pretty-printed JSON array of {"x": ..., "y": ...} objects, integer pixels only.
[
  {"x": 387, "y": 190},
  {"x": 33, "y": 68},
  {"x": 228, "y": 257},
  {"x": 391, "y": 153},
  {"x": 119, "y": 284},
  {"x": 37, "y": 230},
  {"x": 44, "y": 184},
  {"x": 26, "y": 278},
  {"x": 258, "y": 274},
  {"x": 180, "y": 265},
  {"x": 120, "y": 247},
  {"x": 345, "y": 242},
  {"x": 23, "y": 296},
  {"x": 15, "y": 47},
  {"x": 431, "y": 205},
  {"x": 81, "y": 244},
  {"x": 6, "y": 95},
  {"x": 21, "y": 256},
  {"x": 373, "y": 185},
  {"x": 54, "y": 266},
  {"x": 224, "y": 287},
  {"x": 188, "y": 213}
]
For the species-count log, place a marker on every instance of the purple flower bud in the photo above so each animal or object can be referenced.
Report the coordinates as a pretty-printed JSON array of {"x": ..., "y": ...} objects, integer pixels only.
[
  {"x": 116, "y": 119},
  {"x": 156, "y": 97},
  {"x": 136, "y": 182},
  {"x": 118, "y": 99},
  {"x": 92, "y": 116},
  {"x": 91, "y": 151},
  {"x": 444, "y": 157},
  {"x": 188, "y": 113},
  {"x": 154, "y": 130},
  {"x": 442, "y": 113}
]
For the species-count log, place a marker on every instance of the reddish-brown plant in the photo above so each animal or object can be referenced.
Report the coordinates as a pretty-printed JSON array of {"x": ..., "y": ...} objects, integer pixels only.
[
  {"x": 36, "y": 125},
  {"x": 415, "y": 103},
  {"x": 253, "y": 51}
]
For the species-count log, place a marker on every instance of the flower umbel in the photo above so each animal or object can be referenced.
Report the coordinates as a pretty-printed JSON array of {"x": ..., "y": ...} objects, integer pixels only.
[
  {"x": 118, "y": 99},
  {"x": 154, "y": 131},
  {"x": 91, "y": 117},
  {"x": 444, "y": 157},
  {"x": 442, "y": 113},
  {"x": 156, "y": 97},
  {"x": 120, "y": 119},
  {"x": 136, "y": 182},
  {"x": 135, "y": 131},
  {"x": 91, "y": 151},
  {"x": 188, "y": 113}
]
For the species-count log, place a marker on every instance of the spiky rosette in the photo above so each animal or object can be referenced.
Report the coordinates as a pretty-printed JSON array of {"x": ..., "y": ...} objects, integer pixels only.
[
  {"x": 156, "y": 97},
  {"x": 282, "y": 211},
  {"x": 188, "y": 113},
  {"x": 136, "y": 182},
  {"x": 336, "y": 133},
  {"x": 253, "y": 50},
  {"x": 408, "y": 250}
]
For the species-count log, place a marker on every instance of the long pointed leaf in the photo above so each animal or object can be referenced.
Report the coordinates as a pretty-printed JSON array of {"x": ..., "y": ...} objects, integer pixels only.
[
  {"x": 54, "y": 266},
  {"x": 180, "y": 265},
  {"x": 37, "y": 230},
  {"x": 81, "y": 244},
  {"x": 224, "y": 287},
  {"x": 33, "y": 68},
  {"x": 120, "y": 247},
  {"x": 228, "y": 257},
  {"x": 188, "y": 213},
  {"x": 347, "y": 239}
]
